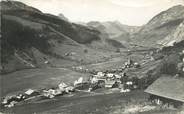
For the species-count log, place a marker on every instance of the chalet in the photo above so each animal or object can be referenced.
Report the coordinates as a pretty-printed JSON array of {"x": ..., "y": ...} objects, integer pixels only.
[
  {"x": 109, "y": 83},
  {"x": 167, "y": 90}
]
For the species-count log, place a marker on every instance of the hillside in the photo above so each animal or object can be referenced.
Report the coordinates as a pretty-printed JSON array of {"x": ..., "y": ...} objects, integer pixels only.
[
  {"x": 164, "y": 29},
  {"x": 115, "y": 30},
  {"x": 32, "y": 39},
  {"x": 159, "y": 30},
  {"x": 51, "y": 65},
  {"x": 175, "y": 37},
  {"x": 171, "y": 58}
]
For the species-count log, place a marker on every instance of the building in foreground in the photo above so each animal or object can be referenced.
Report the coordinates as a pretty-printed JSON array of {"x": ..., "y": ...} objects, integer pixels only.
[{"x": 167, "y": 90}]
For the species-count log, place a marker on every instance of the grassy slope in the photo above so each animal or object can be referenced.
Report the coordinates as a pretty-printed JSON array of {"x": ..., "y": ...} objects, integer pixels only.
[
  {"x": 51, "y": 37},
  {"x": 82, "y": 104},
  {"x": 37, "y": 78}
]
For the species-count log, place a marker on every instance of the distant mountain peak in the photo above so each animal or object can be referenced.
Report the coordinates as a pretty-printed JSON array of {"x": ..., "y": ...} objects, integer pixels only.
[{"x": 63, "y": 17}]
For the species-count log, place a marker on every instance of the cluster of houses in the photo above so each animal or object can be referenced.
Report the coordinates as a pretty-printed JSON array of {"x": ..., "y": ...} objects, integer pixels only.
[
  {"x": 166, "y": 90},
  {"x": 10, "y": 101},
  {"x": 99, "y": 80},
  {"x": 61, "y": 89},
  {"x": 113, "y": 80}
]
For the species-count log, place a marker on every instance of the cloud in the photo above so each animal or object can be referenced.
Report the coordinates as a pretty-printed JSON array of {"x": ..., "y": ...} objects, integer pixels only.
[
  {"x": 131, "y": 12},
  {"x": 141, "y": 3}
]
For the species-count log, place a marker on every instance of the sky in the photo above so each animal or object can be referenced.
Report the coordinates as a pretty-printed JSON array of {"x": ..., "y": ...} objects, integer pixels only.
[{"x": 129, "y": 12}]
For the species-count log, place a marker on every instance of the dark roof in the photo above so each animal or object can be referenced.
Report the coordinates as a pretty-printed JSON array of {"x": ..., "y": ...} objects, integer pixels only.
[{"x": 168, "y": 87}]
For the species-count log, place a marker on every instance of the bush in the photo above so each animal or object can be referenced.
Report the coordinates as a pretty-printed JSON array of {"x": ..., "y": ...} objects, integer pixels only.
[
  {"x": 169, "y": 65},
  {"x": 118, "y": 50},
  {"x": 85, "y": 51}
]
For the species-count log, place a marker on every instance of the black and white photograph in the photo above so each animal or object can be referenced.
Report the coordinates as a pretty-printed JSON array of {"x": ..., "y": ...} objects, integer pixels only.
[{"x": 92, "y": 57}]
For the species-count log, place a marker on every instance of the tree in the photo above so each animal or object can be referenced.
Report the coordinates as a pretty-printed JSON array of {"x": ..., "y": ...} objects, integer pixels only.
[
  {"x": 118, "y": 50},
  {"x": 85, "y": 51}
]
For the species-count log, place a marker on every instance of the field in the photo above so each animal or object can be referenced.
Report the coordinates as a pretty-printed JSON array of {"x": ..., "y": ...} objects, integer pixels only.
[
  {"x": 80, "y": 104},
  {"x": 101, "y": 101},
  {"x": 37, "y": 79},
  {"x": 91, "y": 103}
]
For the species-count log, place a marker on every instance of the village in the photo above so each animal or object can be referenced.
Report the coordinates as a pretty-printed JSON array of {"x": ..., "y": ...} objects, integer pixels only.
[{"x": 118, "y": 79}]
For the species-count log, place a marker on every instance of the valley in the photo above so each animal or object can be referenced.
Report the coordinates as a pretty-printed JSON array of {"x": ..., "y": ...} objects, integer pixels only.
[{"x": 40, "y": 51}]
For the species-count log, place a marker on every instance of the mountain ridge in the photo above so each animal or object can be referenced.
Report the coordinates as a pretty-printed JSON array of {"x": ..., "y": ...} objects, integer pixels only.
[
  {"x": 160, "y": 26},
  {"x": 29, "y": 33}
]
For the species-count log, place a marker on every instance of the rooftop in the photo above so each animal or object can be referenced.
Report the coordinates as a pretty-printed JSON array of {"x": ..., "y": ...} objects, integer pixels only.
[{"x": 168, "y": 87}]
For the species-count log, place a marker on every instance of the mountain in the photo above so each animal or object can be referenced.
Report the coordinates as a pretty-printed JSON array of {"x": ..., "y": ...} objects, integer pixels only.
[
  {"x": 115, "y": 30},
  {"x": 63, "y": 17},
  {"x": 32, "y": 39},
  {"x": 176, "y": 36},
  {"x": 163, "y": 29}
]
